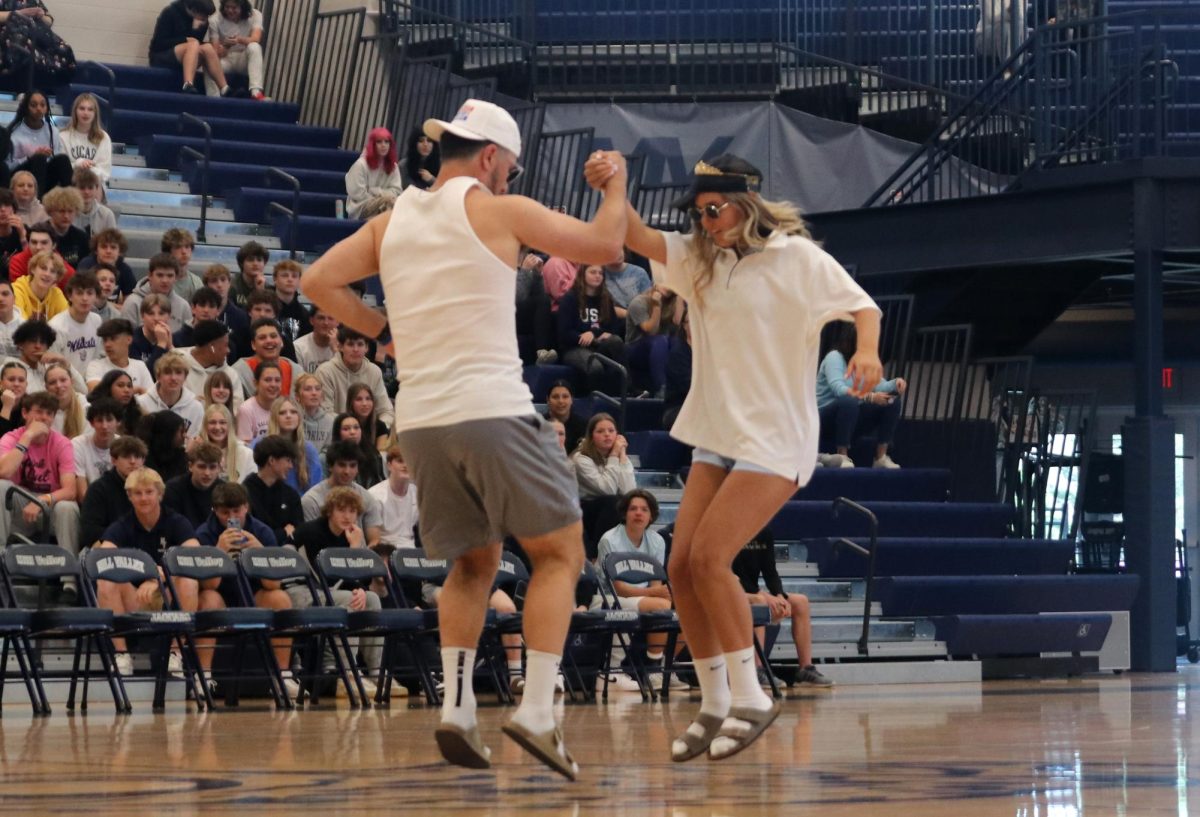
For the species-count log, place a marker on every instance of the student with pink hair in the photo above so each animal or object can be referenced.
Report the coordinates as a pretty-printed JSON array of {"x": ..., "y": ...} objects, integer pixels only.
[{"x": 373, "y": 181}]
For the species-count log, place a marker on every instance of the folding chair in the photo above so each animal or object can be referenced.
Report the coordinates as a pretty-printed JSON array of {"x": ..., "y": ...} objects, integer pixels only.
[
  {"x": 595, "y": 629},
  {"x": 241, "y": 624},
  {"x": 513, "y": 578},
  {"x": 320, "y": 626},
  {"x": 397, "y": 627},
  {"x": 88, "y": 627},
  {"x": 411, "y": 565},
  {"x": 15, "y": 627},
  {"x": 130, "y": 566},
  {"x": 636, "y": 568}
]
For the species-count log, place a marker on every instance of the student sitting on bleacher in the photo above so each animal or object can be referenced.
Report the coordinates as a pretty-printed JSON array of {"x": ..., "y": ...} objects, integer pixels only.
[
  {"x": 851, "y": 417},
  {"x": 679, "y": 372},
  {"x": 341, "y": 464},
  {"x": 62, "y": 205},
  {"x": 109, "y": 247},
  {"x": 252, "y": 260},
  {"x": 154, "y": 529},
  {"x": 85, "y": 141},
  {"x": 757, "y": 559},
  {"x": 216, "y": 277},
  {"x": 180, "y": 244},
  {"x": 254, "y": 414},
  {"x": 397, "y": 497},
  {"x": 76, "y": 328},
  {"x": 10, "y": 319},
  {"x": 164, "y": 271},
  {"x": 559, "y": 403},
  {"x": 371, "y": 470},
  {"x": 422, "y": 161},
  {"x": 624, "y": 282},
  {"x": 237, "y": 460},
  {"x": 373, "y": 181},
  {"x": 292, "y": 315},
  {"x": 191, "y": 494},
  {"x": 170, "y": 393},
  {"x": 285, "y": 422},
  {"x": 206, "y": 306},
  {"x": 179, "y": 40},
  {"x": 588, "y": 324},
  {"x": 164, "y": 433},
  {"x": 117, "y": 385},
  {"x": 318, "y": 424},
  {"x": 93, "y": 217},
  {"x": 219, "y": 390},
  {"x": 93, "y": 451},
  {"x": 12, "y": 231},
  {"x": 274, "y": 502},
  {"x": 262, "y": 304},
  {"x": 602, "y": 466},
  {"x": 39, "y": 241},
  {"x": 650, "y": 327},
  {"x": 42, "y": 461},
  {"x": 350, "y": 366},
  {"x": 320, "y": 344},
  {"x": 108, "y": 292},
  {"x": 13, "y": 380},
  {"x": 205, "y": 354},
  {"x": 37, "y": 294},
  {"x": 153, "y": 337},
  {"x": 106, "y": 501},
  {"x": 70, "y": 416},
  {"x": 235, "y": 33},
  {"x": 34, "y": 142},
  {"x": 266, "y": 341},
  {"x": 24, "y": 188}
]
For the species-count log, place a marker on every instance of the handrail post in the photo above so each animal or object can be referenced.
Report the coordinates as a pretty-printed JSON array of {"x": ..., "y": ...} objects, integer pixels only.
[
  {"x": 294, "y": 213},
  {"x": 112, "y": 89},
  {"x": 608, "y": 363},
  {"x": 873, "y": 522},
  {"x": 186, "y": 119}
]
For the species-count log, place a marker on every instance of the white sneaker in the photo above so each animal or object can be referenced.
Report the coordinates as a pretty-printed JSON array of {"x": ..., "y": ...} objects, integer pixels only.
[
  {"x": 546, "y": 356},
  {"x": 290, "y": 685},
  {"x": 835, "y": 461},
  {"x": 656, "y": 679},
  {"x": 370, "y": 688},
  {"x": 175, "y": 664},
  {"x": 626, "y": 683},
  {"x": 124, "y": 662},
  {"x": 885, "y": 462},
  {"x": 559, "y": 684}
]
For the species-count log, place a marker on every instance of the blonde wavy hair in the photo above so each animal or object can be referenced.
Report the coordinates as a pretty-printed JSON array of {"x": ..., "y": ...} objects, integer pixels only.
[
  {"x": 230, "y": 447},
  {"x": 296, "y": 437},
  {"x": 763, "y": 218}
]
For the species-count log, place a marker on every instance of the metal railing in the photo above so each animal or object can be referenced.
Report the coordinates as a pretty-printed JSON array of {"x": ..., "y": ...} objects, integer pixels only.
[
  {"x": 558, "y": 169},
  {"x": 332, "y": 52},
  {"x": 864, "y": 640},
  {"x": 287, "y": 34},
  {"x": 653, "y": 203},
  {"x": 205, "y": 159},
  {"x": 1123, "y": 86},
  {"x": 107, "y": 105},
  {"x": 293, "y": 213}
]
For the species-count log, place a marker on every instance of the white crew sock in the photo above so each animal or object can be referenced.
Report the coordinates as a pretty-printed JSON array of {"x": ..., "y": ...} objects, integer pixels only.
[
  {"x": 536, "y": 712},
  {"x": 458, "y": 696},
  {"x": 743, "y": 680}
]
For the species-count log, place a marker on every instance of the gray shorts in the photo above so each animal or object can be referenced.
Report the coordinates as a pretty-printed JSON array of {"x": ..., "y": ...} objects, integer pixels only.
[{"x": 482, "y": 480}]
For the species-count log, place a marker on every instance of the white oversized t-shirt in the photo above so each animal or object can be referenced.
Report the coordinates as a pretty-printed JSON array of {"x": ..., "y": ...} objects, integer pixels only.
[{"x": 755, "y": 339}]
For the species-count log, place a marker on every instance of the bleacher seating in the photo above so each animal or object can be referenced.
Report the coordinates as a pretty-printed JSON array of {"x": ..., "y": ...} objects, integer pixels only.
[
  {"x": 945, "y": 557},
  {"x": 998, "y": 595}
]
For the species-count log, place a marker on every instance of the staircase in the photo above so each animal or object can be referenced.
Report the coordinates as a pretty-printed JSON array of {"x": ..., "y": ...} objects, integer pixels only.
[{"x": 163, "y": 173}]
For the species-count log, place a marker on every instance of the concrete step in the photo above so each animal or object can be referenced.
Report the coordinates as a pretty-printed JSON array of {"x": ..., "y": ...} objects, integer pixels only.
[
  {"x": 817, "y": 590},
  {"x": 134, "y": 210},
  {"x": 157, "y": 198},
  {"x": 126, "y": 161},
  {"x": 151, "y": 184}
]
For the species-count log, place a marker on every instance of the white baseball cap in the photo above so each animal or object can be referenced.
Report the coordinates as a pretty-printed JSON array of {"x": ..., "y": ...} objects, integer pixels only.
[{"x": 482, "y": 122}]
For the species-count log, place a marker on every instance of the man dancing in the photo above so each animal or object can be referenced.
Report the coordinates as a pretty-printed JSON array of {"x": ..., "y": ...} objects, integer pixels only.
[{"x": 484, "y": 463}]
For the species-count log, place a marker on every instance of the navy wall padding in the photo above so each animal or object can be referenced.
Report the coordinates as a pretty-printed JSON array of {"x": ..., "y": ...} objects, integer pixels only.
[
  {"x": 130, "y": 126},
  {"x": 658, "y": 451},
  {"x": 225, "y": 177},
  {"x": 539, "y": 379},
  {"x": 250, "y": 204},
  {"x": 945, "y": 557},
  {"x": 163, "y": 151},
  {"x": 174, "y": 102},
  {"x": 802, "y": 519},
  {"x": 878, "y": 484},
  {"x": 987, "y": 595},
  {"x": 1001, "y": 635}
]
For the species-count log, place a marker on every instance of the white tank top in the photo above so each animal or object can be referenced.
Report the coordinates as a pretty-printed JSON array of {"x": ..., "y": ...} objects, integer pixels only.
[{"x": 451, "y": 305}]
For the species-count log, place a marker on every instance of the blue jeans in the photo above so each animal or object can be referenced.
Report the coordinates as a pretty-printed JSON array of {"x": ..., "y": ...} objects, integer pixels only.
[
  {"x": 851, "y": 418},
  {"x": 648, "y": 360}
]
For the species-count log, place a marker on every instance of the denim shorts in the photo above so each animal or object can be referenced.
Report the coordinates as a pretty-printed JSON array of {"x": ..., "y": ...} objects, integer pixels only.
[{"x": 713, "y": 458}]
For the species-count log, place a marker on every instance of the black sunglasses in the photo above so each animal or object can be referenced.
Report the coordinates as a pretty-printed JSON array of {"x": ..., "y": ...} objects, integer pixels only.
[
  {"x": 710, "y": 210},
  {"x": 515, "y": 173}
]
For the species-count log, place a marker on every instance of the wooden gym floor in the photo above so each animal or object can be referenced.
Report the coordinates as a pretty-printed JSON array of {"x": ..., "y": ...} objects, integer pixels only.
[{"x": 1108, "y": 745}]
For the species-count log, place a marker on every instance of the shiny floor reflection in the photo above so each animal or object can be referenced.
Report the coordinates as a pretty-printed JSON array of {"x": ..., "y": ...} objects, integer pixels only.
[{"x": 1104, "y": 745}]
